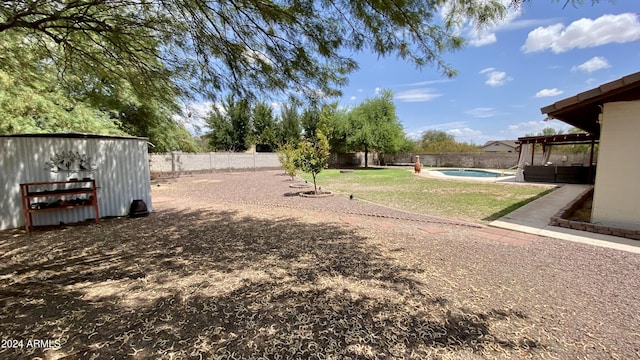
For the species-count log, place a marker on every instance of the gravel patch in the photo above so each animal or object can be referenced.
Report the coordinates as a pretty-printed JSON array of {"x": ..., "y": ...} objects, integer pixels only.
[{"x": 232, "y": 266}]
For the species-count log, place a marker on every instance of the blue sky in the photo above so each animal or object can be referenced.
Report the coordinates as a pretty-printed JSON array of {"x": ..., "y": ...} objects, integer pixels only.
[{"x": 533, "y": 58}]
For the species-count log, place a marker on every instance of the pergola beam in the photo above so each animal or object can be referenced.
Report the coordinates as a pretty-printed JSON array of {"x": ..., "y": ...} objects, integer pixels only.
[{"x": 564, "y": 139}]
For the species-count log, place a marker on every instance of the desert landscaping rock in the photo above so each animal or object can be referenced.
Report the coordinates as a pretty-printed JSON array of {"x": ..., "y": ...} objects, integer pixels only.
[{"x": 228, "y": 266}]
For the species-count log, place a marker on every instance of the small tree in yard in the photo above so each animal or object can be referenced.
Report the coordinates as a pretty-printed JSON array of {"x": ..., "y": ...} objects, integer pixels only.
[
  {"x": 313, "y": 156},
  {"x": 287, "y": 155}
]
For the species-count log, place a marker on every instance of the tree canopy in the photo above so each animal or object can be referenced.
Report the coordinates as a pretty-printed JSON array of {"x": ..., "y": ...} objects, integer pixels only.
[
  {"x": 436, "y": 141},
  {"x": 290, "y": 125},
  {"x": 104, "y": 57},
  {"x": 34, "y": 98},
  {"x": 265, "y": 127},
  {"x": 245, "y": 47},
  {"x": 374, "y": 126},
  {"x": 231, "y": 125}
]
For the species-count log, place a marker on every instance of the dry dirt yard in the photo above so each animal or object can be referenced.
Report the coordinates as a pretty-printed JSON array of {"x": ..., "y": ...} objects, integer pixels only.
[{"x": 232, "y": 266}]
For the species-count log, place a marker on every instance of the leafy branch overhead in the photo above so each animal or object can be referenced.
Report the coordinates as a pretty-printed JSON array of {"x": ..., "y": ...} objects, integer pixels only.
[
  {"x": 246, "y": 47},
  {"x": 124, "y": 66}
]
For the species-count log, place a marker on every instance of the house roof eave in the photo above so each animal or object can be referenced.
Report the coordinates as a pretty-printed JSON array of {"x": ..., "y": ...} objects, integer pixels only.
[{"x": 583, "y": 109}]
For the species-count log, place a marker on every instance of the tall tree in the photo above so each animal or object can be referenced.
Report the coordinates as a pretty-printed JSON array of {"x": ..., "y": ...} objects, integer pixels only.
[
  {"x": 35, "y": 100},
  {"x": 290, "y": 124},
  {"x": 32, "y": 100},
  {"x": 240, "y": 116},
  {"x": 264, "y": 127},
  {"x": 219, "y": 138},
  {"x": 436, "y": 141},
  {"x": 434, "y": 137},
  {"x": 338, "y": 129},
  {"x": 310, "y": 120},
  {"x": 157, "y": 124},
  {"x": 374, "y": 126},
  {"x": 230, "y": 125},
  {"x": 41, "y": 107},
  {"x": 312, "y": 155}
]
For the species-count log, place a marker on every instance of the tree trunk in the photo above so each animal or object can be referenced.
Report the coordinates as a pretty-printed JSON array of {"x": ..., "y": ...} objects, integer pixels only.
[
  {"x": 366, "y": 156},
  {"x": 315, "y": 187}
]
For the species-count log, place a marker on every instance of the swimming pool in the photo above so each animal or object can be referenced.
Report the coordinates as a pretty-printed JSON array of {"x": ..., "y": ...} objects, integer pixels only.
[{"x": 471, "y": 173}]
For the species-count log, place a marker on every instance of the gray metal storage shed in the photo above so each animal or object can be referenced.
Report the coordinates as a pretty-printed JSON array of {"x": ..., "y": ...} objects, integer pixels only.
[{"x": 119, "y": 165}]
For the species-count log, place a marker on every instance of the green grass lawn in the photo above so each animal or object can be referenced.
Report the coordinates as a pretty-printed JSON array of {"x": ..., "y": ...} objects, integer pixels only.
[{"x": 401, "y": 189}]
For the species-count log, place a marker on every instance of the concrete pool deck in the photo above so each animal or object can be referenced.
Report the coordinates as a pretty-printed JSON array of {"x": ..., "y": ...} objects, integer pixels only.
[{"x": 436, "y": 174}]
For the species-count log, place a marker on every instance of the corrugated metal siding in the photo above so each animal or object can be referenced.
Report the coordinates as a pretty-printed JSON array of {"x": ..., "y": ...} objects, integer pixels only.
[{"x": 121, "y": 174}]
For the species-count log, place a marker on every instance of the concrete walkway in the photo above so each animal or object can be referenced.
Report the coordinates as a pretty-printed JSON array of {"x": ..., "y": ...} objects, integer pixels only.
[{"x": 534, "y": 217}]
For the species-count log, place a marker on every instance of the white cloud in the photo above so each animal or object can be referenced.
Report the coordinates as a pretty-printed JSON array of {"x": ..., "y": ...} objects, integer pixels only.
[
  {"x": 488, "y": 35},
  {"x": 533, "y": 127},
  {"x": 416, "y": 95},
  {"x": 541, "y": 38},
  {"x": 481, "y": 38},
  {"x": 548, "y": 92},
  {"x": 593, "y": 64},
  {"x": 353, "y": 98},
  {"x": 584, "y": 33},
  {"x": 276, "y": 106},
  {"x": 485, "y": 34},
  {"x": 526, "y": 23},
  {"x": 257, "y": 56},
  {"x": 427, "y": 82},
  {"x": 193, "y": 116},
  {"x": 482, "y": 112},
  {"x": 495, "y": 78},
  {"x": 378, "y": 90},
  {"x": 468, "y": 135},
  {"x": 417, "y": 133},
  {"x": 591, "y": 81},
  {"x": 414, "y": 134}
]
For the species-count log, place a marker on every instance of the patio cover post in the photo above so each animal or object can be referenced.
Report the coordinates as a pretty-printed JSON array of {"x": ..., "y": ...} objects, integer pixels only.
[
  {"x": 591, "y": 179},
  {"x": 533, "y": 151}
]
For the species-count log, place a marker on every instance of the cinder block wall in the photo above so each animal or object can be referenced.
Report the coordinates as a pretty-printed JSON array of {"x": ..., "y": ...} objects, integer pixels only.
[
  {"x": 176, "y": 163},
  {"x": 482, "y": 160}
]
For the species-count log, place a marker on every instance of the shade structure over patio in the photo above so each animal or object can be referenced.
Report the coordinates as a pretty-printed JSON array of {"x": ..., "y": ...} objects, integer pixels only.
[{"x": 527, "y": 154}]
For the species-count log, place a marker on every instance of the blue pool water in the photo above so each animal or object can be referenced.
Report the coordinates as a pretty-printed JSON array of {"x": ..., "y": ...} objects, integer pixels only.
[{"x": 469, "y": 173}]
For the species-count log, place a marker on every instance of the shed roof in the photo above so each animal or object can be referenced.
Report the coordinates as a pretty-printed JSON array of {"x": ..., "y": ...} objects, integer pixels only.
[
  {"x": 582, "y": 110},
  {"x": 76, "y": 136}
]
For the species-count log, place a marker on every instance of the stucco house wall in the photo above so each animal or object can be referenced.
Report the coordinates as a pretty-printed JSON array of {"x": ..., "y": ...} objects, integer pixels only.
[
  {"x": 498, "y": 147},
  {"x": 616, "y": 199}
]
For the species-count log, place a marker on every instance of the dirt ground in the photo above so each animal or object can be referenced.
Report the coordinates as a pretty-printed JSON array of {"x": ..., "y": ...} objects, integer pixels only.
[{"x": 233, "y": 266}]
